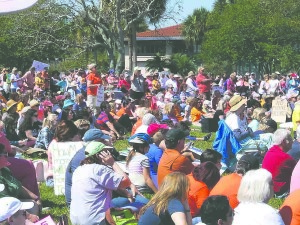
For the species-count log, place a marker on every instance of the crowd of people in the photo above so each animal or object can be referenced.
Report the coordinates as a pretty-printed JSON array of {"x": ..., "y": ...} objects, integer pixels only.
[{"x": 155, "y": 113}]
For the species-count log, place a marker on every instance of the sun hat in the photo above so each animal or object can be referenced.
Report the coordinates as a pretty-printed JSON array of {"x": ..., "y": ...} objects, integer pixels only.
[
  {"x": 177, "y": 76},
  {"x": 10, "y": 205},
  {"x": 10, "y": 104},
  {"x": 91, "y": 66},
  {"x": 155, "y": 127},
  {"x": 25, "y": 109},
  {"x": 33, "y": 103},
  {"x": 47, "y": 103},
  {"x": 2, "y": 187},
  {"x": 67, "y": 103},
  {"x": 60, "y": 97},
  {"x": 94, "y": 134},
  {"x": 191, "y": 73},
  {"x": 140, "y": 138},
  {"x": 176, "y": 135},
  {"x": 14, "y": 69},
  {"x": 95, "y": 147},
  {"x": 236, "y": 102}
]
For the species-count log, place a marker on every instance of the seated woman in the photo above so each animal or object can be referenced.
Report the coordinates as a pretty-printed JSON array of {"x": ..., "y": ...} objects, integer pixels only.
[
  {"x": 140, "y": 113},
  {"x": 13, "y": 187},
  {"x": 257, "y": 116},
  {"x": 103, "y": 175},
  {"x": 169, "y": 205},
  {"x": 255, "y": 191},
  {"x": 146, "y": 121},
  {"x": 169, "y": 113},
  {"x": 204, "y": 177},
  {"x": 29, "y": 128},
  {"x": 196, "y": 111},
  {"x": 10, "y": 119},
  {"x": 105, "y": 121},
  {"x": 46, "y": 134},
  {"x": 169, "y": 93},
  {"x": 65, "y": 131},
  {"x": 79, "y": 103},
  {"x": 138, "y": 164}
]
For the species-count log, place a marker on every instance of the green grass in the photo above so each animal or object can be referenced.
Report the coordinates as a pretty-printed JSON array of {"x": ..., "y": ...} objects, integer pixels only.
[{"x": 57, "y": 206}]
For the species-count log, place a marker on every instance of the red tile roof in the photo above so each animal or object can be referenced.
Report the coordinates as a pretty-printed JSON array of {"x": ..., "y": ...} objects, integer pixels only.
[{"x": 172, "y": 31}]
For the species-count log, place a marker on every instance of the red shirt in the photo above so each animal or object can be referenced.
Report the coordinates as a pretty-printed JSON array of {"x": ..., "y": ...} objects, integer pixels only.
[
  {"x": 95, "y": 79},
  {"x": 124, "y": 83},
  {"x": 203, "y": 86},
  {"x": 281, "y": 166}
]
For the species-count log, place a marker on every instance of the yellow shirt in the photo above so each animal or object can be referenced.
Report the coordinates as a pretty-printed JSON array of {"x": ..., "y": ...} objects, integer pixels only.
[
  {"x": 40, "y": 82},
  {"x": 20, "y": 106},
  {"x": 196, "y": 114},
  {"x": 156, "y": 85}
]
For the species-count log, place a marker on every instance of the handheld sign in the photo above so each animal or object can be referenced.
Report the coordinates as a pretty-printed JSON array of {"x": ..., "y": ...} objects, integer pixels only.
[
  {"x": 279, "y": 110},
  {"x": 100, "y": 95}
]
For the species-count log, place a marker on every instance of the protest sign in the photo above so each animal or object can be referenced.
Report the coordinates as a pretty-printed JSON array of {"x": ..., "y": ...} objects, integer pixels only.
[
  {"x": 279, "y": 110},
  {"x": 100, "y": 95},
  {"x": 46, "y": 221},
  {"x": 62, "y": 153},
  {"x": 39, "y": 66}
]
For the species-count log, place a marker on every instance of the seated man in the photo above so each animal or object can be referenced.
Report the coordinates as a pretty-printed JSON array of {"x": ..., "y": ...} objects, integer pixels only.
[
  {"x": 290, "y": 209},
  {"x": 279, "y": 163},
  {"x": 229, "y": 185},
  {"x": 172, "y": 159},
  {"x": 216, "y": 210}
]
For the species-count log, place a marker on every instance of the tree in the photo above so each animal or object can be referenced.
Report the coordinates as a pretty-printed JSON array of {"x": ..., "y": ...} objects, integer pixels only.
[
  {"x": 157, "y": 63},
  {"x": 91, "y": 25},
  {"x": 181, "y": 64},
  {"x": 194, "y": 27}
]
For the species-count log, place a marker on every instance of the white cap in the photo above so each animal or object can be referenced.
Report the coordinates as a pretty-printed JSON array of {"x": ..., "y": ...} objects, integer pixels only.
[
  {"x": 2, "y": 187},
  {"x": 10, "y": 205}
]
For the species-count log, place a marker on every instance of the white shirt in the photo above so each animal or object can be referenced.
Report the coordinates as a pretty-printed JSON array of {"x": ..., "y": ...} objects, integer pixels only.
[
  {"x": 191, "y": 86},
  {"x": 15, "y": 83},
  {"x": 163, "y": 81},
  {"x": 256, "y": 214},
  {"x": 274, "y": 84},
  {"x": 234, "y": 122}
]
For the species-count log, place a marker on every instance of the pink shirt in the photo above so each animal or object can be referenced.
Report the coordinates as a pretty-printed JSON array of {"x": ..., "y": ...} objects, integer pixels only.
[{"x": 295, "y": 180}]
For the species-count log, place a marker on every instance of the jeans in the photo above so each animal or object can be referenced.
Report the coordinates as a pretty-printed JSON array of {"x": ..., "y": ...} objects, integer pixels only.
[{"x": 120, "y": 202}]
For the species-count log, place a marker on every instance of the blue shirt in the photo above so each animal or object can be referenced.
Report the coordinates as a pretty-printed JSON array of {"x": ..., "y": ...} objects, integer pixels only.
[
  {"x": 73, "y": 164},
  {"x": 154, "y": 154},
  {"x": 149, "y": 218}
]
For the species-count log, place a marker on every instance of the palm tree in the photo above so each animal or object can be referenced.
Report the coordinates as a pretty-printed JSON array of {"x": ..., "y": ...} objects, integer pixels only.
[
  {"x": 194, "y": 27},
  {"x": 181, "y": 64},
  {"x": 157, "y": 63}
]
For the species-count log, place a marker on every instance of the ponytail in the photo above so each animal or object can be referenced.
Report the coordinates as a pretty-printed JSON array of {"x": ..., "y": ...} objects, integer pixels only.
[{"x": 130, "y": 156}]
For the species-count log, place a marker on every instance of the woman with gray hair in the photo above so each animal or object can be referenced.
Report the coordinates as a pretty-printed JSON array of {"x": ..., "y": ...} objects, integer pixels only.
[{"x": 255, "y": 191}]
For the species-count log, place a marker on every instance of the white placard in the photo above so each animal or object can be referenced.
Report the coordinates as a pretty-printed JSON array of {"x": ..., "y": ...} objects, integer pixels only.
[
  {"x": 39, "y": 66},
  {"x": 279, "y": 110},
  {"x": 100, "y": 95},
  {"x": 62, "y": 153}
]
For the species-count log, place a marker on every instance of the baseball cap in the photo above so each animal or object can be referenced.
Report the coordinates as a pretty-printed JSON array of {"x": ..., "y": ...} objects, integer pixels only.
[
  {"x": 10, "y": 205},
  {"x": 95, "y": 147},
  {"x": 94, "y": 134},
  {"x": 176, "y": 134},
  {"x": 155, "y": 127}
]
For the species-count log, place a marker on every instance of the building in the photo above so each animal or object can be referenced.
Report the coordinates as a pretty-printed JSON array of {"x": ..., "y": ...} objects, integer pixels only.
[{"x": 166, "y": 41}]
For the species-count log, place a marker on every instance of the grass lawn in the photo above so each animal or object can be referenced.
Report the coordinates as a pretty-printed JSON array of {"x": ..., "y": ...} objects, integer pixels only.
[{"x": 56, "y": 204}]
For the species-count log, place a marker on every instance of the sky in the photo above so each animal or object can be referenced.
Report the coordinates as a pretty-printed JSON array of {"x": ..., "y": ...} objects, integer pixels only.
[{"x": 188, "y": 8}]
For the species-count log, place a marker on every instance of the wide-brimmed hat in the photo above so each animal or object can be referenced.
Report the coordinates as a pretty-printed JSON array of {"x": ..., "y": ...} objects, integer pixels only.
[
  {"x": 60, "y": 97},
  {"x": 67, "y": 103},
  {"x": 10, "y": 104},
  {"x": 95, "y": 147},
  {"x": 177, "y": 76},
  {"x": 191, "y": 73},
  {"x": 10, "y": 205},
  {"x": 236, "y": 102},
  {"x": 91, "y": 66},
  {"x": 47, "y": 103},
  {"x": 33, "y": 103}
]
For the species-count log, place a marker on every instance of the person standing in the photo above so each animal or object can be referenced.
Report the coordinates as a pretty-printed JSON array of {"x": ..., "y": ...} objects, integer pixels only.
[
  {"x": 28, "y": 79},
  {"x": 203, "y": 83},
  {"x": 191, "y": 84},
  {"x": 137, "y": 84},
  {"x": 93, "y": 83},
  {"x": 14, "y": 77}
]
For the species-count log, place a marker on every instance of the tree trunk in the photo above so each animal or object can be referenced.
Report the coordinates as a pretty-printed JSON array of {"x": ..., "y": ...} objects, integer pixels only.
[
  {"x": 134, "y": 47},
  {"x": 130, "y": 49},
  {"x": 111, "y": 57}
]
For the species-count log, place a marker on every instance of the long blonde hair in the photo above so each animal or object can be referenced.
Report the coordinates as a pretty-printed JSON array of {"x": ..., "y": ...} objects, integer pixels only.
[
  {"x": 48, "y": 122},
  {"x": 174, "y": 186}
]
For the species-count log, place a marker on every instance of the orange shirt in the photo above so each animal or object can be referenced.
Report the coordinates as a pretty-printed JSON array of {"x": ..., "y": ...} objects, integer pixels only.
[
  {"x": 290, "y": 209},
  {"x": 177, "y": 113},
  {"x": 197, "y": 194},
  {"x": 95, "y": 79},
  {"x": 228, "y": 186},
  {"x": 196, "y": 114},
  {"x": 121, "y": 112},
  {"x": 136, "y": 126},
  {"x": 173, "y": 161}
]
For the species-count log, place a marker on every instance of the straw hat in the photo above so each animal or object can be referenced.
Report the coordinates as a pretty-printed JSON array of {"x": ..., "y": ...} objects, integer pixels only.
[
  {"x": 236, "y": 102},
  {"x": 11, "y": 103},
  {"x": 191, "y": 73},
  {"x": 33, "y": 103}
]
